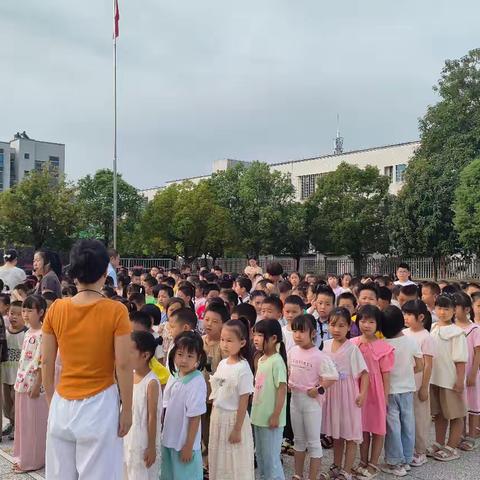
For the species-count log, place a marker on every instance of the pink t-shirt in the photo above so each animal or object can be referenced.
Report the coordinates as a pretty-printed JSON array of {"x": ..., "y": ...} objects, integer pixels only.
[
  {"x": 306, "y": 366},
  {"x": 427, "y": 346}
]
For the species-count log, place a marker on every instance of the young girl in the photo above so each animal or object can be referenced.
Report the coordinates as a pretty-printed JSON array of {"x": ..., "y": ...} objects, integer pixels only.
[
  {"x": 463, "y": 310},
  {"x": 311, "y": 372},
  {"x": 269, "y": 406},
  {"x": 418, "y": 321},
  {"x": 476, "y": 308},
  {"x": 164, "y": 329},
  {"x": 342, "y": 414},
  {"x": 185, "y": 401},
  {"x": 31, "y": 410},
  {"x": 141, "y": 445},
  {"x": 379, "y": 358},
  {"x": 230, "y": 447}
]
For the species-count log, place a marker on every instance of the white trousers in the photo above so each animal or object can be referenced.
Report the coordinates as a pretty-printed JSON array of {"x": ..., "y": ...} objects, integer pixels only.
[
  {"x": 306, "y": 418},
  {"x": 82, "y": 438}
]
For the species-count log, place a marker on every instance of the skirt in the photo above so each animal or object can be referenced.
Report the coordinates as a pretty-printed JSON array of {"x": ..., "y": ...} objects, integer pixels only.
[
  {"x": 229, "y": 461},
  {"x": 31, "y": 415}
]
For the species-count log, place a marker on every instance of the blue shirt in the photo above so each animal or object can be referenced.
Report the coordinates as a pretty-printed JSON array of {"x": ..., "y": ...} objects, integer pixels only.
[{"x": 113, "y": 274}]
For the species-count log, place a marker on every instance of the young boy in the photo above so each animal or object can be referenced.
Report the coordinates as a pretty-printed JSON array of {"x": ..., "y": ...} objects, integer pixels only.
[
  {"x": 149, "y": 284},
  {"x": 447, "y": 381},
  {"x": 324, "y": 303},
  {"x": 430, "y": 292},
  {"x": 272, "y": 309},
  {"x": 349, "y": 301},
  {"x": 367, "y": 294},
  {"x": 403, "y": 275},
  {"x": 138, "y": 299},
  {"x": 230, "y": 298},
  {"x": 242, "y": 287},
  {"x": 285, "y": 289},
  {"x": 407, "y": 293},
  {"x": 15, "y": 335},
  {"x": 384, "y": 297}
]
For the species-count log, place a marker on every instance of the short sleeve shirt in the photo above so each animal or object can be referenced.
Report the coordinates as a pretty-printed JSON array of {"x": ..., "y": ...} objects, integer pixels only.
[
  {"x": 271, "y": 372},
  {"x": 29, "y": 361},
  {"x": 427, "y": 346}
]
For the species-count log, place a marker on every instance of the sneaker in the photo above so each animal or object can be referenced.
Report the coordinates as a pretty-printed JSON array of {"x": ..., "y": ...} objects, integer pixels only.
[
  {"x": 419, "y": 460},
  {"x": 8, "y": 430},
  {"x": 406, "y": 466},
  {"x": 396, "y": 470}
]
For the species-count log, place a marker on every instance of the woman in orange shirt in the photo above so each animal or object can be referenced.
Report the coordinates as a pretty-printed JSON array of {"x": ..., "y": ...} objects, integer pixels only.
[{"x": 90, "y": 412}]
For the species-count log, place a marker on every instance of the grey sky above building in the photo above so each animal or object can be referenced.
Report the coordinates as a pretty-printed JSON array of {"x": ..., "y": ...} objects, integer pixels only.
[{"x": 201, "y": 80}]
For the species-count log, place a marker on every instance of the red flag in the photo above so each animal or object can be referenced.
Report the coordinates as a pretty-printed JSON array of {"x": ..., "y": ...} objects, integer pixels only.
[{"x": 117, "y": 20}]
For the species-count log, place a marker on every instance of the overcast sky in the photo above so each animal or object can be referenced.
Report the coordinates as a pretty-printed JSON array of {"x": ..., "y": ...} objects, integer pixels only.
[{"x": 201, "y": 80}]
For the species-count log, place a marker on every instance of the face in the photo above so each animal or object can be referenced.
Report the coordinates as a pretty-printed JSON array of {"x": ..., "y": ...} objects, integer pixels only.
[
  {"x": 257, "y": 303},
  {"x": 339, "y": 328},
  {"x": 270, "y": 311},
  {"x": 403, "y": 274},
  {"x": 324, "y": 305},
  {"x": 163, "y": 298},
  {"x": 428, "y": 296},
  {"x": 38, "y": 264},
  {"x": 346, "y": 279},
  {"x": 230, "y": 343},
  {"x": 115, "y": 261},
  {"x": 367, "y": 297},
  {"x": 4, "y": 308},
  {"x": 154, "y": 271},
  {"x": 475, "y": 306},
  {"x": 148, "y": 288},
  {"x": 333, "y": 282},
  {"x": 213, "y": 294},
  {"x": 348, "y": 304},
  {"x": 290, "y": 311},
  {"x": 186, "y": 361},
  {"x": 252, "y": 262},
  {"x": 402, "y": 298},
  {"x": 310, "y": 279},
  {"x": 137, "y": 279},
  {"x": 32, "y": 317},
  {"x": 176, "y": 328},
  {"x": 461, "y": 313},
  {"x": 294, "y": 279},
  {"x": 173, "y": 308},
  {"x": 16, "y": 317},
  {"x": 303, "y": 339},
  {"x": 310, "y": 295},
  {"x": 444, "y": 314},
  {"x": 213, "y": 324},
  {"x": 368, "y": 326},
  {"x": 471, "y": 289},
  {"x": 238, "y": 289},
  {"x": 184, "y": 297},
  {"x": 413, "y": 322}
]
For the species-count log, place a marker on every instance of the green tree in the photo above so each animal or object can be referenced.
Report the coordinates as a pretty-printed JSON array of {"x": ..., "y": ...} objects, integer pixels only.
[
  {"x": 467, "y": 207},
  {"x": 421, "y": 222},
  {"x": 253, "y": 196},
  {"x": 40, "y": 211},
  {"x": 347, "y": 212},
  {"x": 95, "y": 196}
]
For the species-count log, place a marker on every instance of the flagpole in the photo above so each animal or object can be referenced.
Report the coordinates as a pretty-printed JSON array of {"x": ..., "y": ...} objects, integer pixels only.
[{"x": 115, "y": 126}]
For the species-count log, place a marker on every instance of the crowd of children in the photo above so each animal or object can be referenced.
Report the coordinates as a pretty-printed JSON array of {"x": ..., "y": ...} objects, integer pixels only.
[{"x": 230, "y": 372}]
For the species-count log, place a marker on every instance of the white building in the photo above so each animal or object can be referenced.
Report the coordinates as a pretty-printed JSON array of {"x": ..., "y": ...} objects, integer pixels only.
[
  {"x": 391, "y": 160},
  {"x": 21, "y": 155}
]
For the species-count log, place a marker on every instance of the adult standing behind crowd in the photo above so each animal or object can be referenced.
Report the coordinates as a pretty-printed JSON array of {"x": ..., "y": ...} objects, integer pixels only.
[
  {"x": 253, "y": 268},
  {"x": 92, "y": 333},
  {"x": 113, "y": 265},
  {"x": 10, "y": 273},
  {"x": 47, "y": 268}
]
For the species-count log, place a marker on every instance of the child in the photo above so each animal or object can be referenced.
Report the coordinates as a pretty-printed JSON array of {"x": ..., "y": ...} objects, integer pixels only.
[
  {"x": 142, "y": 443},
  {"x": 173, "y": 305},
  {"x": 419, "y": 321},
  {"x": 472, "y": 331},
  {"x": 272, "y": 308},
  {"x": 230, "y": 449},
  {"x": 430, "y": 292},
  {"x": 269, "y": 406},
  {"x": 475, "y": 316},
  {"x": 367, "y": 294},
  {"x": 256, "y": 299},
  {"x": 242, "y": 288},
  {"x": 311, "y": 372},
  {"x": 15, "y": 335},
  {"x": 448, "y": 381},
  {"x": 185, "y": 402},
  {"x": 400, "y": 439},
  {"x": 181, "y": 320},
  {"x": 407, "y": 292},
  {"x": 324, "y": 303},
  {"x": 5, "y": 308},
  {"x": 379, "y": 357},
  {"x": 342, "y": 414},
  {"x": 349, "y": 301},
  {"x": 163, "y": 294},
  {"x": 31, "y": 409},
  {"x": 384, "y": 297}
]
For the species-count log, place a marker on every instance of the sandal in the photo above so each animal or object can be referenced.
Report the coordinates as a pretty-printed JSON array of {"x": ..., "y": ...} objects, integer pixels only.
[
  {"x": 446, "y": 454},
  {"x": 431, "y": 451},
  {"x": 343, "y": 475},
  {"x": 297, "y": 477},
  {"x": 327, "y": 442},
  {"x": 468, "y": 444},
  {"x": 366, "y": 473},
  {"x": 331, "y": 474}
]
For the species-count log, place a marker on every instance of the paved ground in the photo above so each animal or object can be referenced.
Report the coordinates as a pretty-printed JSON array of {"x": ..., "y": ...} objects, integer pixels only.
[{"x": 467, "y": 468}]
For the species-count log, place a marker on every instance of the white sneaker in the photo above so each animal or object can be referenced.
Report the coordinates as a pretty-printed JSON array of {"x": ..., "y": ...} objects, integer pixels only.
[
  {"x": 419, "y": 460},
  {"x": 396, "y": 470}
]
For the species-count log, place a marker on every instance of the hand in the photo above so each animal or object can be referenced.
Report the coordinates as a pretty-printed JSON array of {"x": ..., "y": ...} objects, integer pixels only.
[
  {"x": 124, "y": 422},
  {"x": 149, "y": 456},
  {"x": 458, "y": 387},
  {"x": 360, "y": 400},
  {"x": 186, "y": 454},
  {"x": 471, "y": 380},
  {"x": 34, "y": 391},
  {"x": 235, "y": 436},
  {"x": 274, "y": 421},
  {"x": 313, "y": 392},
  {"x": 423, "y": 394}
]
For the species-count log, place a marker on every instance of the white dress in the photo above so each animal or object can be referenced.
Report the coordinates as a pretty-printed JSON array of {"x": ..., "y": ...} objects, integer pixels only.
[{"x": 136, "y": 441}]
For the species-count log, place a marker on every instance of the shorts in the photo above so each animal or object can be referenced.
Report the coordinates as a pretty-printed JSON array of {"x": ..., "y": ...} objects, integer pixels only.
[
  {"x": 447, "y": 402},
  {"x": 174, "y": 469}
]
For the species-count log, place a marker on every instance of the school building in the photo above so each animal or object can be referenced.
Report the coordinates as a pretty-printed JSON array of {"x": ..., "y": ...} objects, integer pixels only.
[
  {"x": 391, "y": 160},
  {"x": 18, "y": 157}
]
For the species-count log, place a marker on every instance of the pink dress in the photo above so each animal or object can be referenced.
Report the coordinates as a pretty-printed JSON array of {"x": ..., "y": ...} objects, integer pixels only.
[
  {"x": 341, "y": 416},
  {"x": 379, "y": 358},
  {"x": 473, "y": 393}
]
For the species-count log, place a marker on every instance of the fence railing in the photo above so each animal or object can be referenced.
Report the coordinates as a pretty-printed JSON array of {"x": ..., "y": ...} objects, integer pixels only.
[{"x": 148, "y": 263}]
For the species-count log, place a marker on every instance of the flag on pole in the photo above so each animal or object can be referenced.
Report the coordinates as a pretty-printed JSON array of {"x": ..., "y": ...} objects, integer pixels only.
[{"x": 117, "y": 20}]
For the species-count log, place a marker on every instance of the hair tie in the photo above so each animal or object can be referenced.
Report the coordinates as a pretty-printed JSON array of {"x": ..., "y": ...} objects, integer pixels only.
[{"x": 277, "y": 347}]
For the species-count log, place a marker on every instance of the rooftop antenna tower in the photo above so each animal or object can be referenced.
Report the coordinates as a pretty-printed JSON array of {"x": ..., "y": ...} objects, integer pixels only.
[{"x": 338, "y": 145}]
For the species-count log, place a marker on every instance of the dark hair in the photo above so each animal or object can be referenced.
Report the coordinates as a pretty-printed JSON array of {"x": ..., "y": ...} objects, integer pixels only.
[
  {"x": 242, "y": 330},
  {"x": 475, "y": 297},
  {"x": 69, "y": 291},
  {"x": 150, "y": 281},
  {"x": 169, "y": 282},
  {"x": 258, "y": 293},
  {"x": 275, "y": 269},
  {"x": 463, "y": 300},
  {"x": 270, "y": 328},
  {"x": 212, "y": 287},
  {"x": 10, "y": 255},
  {"x": 232, "y": 296},
  {"x": 50, "y": 296},
  {"x": 284, "y": 286},
  {"x": 295, "y": 300},
  {"x": 21, "y": 287},
  {"x": 384, "y": 293},
  {"x": 193, "y": 343},
  {"x": 370, "y": 311},
  {"x": 218, "y": 268},
  {"x": 142, "y": 318},
  {"x": 393, "y": 322},
  {"x": 16, "y": 303},
  {"x": 185, "y": 316},
  {"x": 451, "y": 289},
  {"x": 409, "y": 290},
  {"x": 275, "y": 301},
  {"x": 368, "y": 286},
  {"x": 445, "y": 301},
  {"x": 347, "y": 296},
  {"x": 144, "y": 342},
  {"x": 88, "y": 261},
  {"x": 137, "y": 297},
  {"x": 433, "y": 286},
  {"x": 219, "y": 309},
  {"x": 162, "y": 287},
  {"x": 337, "y": 312},
  {"x": 108, "y": 291},
  {"x": 35, "y": 302},
  {"x": 305, "y": 322},
  {"x": 154, "y": 312},
  {"x": 112, "y": 253},
  {"x": 403, "y": 265},
  {"x": 187, "y": 290},
  {"x": 247, "y": 311},
  {"x": 171, "y": 301},
  {"x": 417, "y": 308},
  {"x": 5, "y": 298},
  {"x": 244, "y": 282},
  {"x": 324, "y": 290}
]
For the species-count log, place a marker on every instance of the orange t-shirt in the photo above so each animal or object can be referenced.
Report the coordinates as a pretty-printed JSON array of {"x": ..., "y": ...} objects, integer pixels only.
[{"x": 85, "y": 336}]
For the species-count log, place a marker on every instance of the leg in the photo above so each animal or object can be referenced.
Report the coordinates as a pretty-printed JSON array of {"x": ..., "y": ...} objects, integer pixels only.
[
  {"x": 393, "y": 442},
  {"x": 350, "y": 452},
  {"x": 422, "y": 423},
  {"x": 407, "y": 421},
  {"x": 365, "y": 448},
  {"x": 473, "y": 423},
  {"x": 7, "y": 403},
  {"x": 441, "y": 425},
  {"x": 338, "y": 448},
  {"x": 377, "y": 446},
  {"x": 261, "y": 447},
  {"x": 288, "y": 430},
  {"x": 312, "y": 419},
  {"x": 298, "y": 426},
  {"x": 456, "y": 430}
]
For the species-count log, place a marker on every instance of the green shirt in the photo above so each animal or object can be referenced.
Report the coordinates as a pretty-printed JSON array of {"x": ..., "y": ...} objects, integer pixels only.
[{"x": 271, "y": 372}]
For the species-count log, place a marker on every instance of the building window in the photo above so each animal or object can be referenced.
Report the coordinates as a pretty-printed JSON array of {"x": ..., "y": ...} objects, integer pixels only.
[
  {"x": 1, "y": 159},
  {"x": 54, "y": 161},
  {"x": 388, "y": 172},
  {"x": 13, "y": 176},
  {"x": 26, "y": 156},
  {"x": 308, "y": 184},
  {"x": 400, "y": 172},
  {"x": 38, "y": 165}
]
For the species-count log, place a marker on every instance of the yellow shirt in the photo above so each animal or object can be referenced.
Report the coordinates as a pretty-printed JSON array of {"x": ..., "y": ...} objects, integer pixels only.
[{"x": 159, "y": 370}]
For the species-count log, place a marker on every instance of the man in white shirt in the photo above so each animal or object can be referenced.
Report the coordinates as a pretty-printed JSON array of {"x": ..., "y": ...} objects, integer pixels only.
[
  {"x": 403, "y": 275},
  {"x": 113, "y": 265}
]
